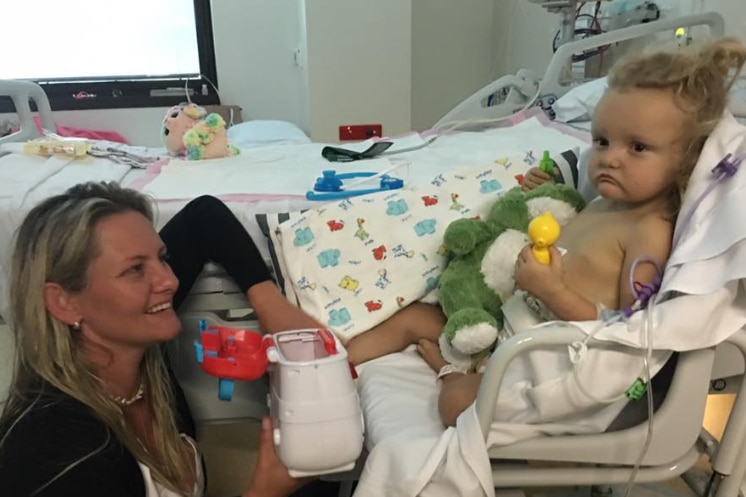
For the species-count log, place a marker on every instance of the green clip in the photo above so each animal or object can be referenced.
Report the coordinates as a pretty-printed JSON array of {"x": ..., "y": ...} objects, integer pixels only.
[
  {"x": 637, "y": 389},
  {"x": 546, "y": 163}
]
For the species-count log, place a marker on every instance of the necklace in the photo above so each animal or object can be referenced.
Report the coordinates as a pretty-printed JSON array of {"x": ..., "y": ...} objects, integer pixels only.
[{"x": 125, "y": 402}]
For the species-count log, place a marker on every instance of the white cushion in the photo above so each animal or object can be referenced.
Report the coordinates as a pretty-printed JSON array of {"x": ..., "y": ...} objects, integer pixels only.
[
  {"x": 578, "y": 103},
  {"x": 258, "y": 132}
]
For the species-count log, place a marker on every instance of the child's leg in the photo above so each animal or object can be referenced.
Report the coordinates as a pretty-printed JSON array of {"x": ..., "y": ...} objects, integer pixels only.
[
  {"x": 457, "y": 393},
  {"x": 274, "y": 312},
  {"x": 408, "y": 326},
  {"x": 458, "y": 390}
]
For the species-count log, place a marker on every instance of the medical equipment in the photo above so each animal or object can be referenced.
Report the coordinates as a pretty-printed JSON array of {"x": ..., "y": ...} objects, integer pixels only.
[
  {"x": 330, "y": 185},
  {"x": 568, "y": 10},
  {"x": 524, "y": 89}
]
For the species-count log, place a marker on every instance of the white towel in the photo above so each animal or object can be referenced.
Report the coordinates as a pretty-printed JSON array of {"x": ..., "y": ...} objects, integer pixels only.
[{"x": 411, "y": 454}]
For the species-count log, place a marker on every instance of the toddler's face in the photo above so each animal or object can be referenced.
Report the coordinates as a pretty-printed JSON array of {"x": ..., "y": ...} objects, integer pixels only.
[{"x": 637, "y": 145}]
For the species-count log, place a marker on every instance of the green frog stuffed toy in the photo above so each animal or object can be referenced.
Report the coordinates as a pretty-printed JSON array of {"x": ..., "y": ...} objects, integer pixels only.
[{"x": 479, "y": 275}]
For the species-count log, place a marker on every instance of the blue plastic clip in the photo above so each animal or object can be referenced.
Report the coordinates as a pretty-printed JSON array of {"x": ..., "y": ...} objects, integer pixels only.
[
  {"x": 225, "y": 389},
  {"x": 330, "y": 185}
]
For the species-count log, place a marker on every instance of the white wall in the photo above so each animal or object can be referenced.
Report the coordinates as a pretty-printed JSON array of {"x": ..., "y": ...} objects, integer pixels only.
[
  {"x": 523, "y": 36},
  {"x": 255, "y": 42},
  {"x": 359, "y": 65},
  {"x": 452, "y": 55},
  {"x": 404, "y": 64}
]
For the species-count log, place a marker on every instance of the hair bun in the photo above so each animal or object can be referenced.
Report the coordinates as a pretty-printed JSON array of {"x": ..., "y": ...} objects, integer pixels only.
[{"x": 725, "y": 56}]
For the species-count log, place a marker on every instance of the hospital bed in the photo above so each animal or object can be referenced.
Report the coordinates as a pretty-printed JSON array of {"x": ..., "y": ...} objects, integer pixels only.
[
  {"x": 268, "y": 198},
  {"x": 402, "y": 381}
]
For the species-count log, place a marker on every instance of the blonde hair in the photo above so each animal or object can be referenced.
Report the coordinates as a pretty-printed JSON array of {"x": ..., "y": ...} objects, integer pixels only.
[
  {"x": 699, "y": 80},
  {"x": 57, "y": 243}
]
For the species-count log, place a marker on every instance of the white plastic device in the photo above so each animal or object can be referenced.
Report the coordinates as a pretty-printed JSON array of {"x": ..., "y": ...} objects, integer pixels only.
[{"x": 315, "y": 408}]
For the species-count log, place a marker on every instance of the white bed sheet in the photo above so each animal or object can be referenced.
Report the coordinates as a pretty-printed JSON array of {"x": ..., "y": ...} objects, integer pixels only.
[
  {"x": 290, "y": 170},
  {"x": 411, "y": 453}
]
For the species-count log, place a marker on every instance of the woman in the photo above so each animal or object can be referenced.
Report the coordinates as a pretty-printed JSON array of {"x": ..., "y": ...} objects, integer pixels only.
[{"x": 93, "y": 409}]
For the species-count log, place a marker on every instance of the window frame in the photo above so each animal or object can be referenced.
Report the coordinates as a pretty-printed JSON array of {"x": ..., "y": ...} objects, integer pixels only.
[{"x": 134, "y": 92}]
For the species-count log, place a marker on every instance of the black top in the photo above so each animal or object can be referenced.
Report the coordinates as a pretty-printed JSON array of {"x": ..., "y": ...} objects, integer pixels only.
[{"x": 59, "y": 431}]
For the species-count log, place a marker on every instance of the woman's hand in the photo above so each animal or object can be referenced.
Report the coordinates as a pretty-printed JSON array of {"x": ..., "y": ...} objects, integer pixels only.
[
  {"x": 533, "y": 178},
  {"x": 271, "y": 478},
  {"x": 540, "y": 280}
]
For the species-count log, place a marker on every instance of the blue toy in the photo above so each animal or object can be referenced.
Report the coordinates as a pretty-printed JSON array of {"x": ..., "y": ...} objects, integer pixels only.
[{"x": 330, "y": 185}]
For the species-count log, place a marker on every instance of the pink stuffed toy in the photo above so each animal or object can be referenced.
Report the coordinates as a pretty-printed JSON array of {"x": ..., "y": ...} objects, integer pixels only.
[{"x": 188, "y": 132}]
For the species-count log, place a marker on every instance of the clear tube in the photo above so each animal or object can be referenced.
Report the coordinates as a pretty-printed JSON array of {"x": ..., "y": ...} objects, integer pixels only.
[{"x": 647, "y": 325}]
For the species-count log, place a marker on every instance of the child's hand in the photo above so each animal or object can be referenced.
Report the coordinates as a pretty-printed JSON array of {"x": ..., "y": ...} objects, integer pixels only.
[
  {"x": 533, "y": 178},
  {"x": 536, "y": 278}
]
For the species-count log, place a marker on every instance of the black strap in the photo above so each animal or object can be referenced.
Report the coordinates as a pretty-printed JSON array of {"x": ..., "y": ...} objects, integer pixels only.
[{"x": 336, "y": 154}]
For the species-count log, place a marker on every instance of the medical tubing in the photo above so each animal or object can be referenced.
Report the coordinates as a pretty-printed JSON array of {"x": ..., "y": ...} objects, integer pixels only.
[
  {"x": 643, "y": 301},
  {"x": 647, "y": 325},
  {"x": 582, "y": 347},
  {"x": 378, "y": 175},
  {"x": 643, "y": 292},
  {"x": 725, "y": 169}
]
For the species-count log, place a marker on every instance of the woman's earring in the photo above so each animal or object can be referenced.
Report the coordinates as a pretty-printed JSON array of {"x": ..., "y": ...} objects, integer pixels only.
[{"x": 76, "y": 325}]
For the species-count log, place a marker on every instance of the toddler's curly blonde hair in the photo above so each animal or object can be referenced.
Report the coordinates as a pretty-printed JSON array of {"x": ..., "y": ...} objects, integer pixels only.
[{"x": 699, "y": 79}]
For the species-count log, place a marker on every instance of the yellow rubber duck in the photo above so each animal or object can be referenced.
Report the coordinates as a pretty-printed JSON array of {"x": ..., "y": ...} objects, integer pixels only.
[{"x": 543, "y": 230}]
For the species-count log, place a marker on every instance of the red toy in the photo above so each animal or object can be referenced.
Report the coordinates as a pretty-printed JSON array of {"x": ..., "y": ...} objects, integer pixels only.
[{"x": 231, "y": 354}]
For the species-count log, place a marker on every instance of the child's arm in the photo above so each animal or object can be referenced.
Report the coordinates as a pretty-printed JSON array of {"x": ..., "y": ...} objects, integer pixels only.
[
  {"x": 545, "y": 282},
  {"x": 651, "y": 239}
]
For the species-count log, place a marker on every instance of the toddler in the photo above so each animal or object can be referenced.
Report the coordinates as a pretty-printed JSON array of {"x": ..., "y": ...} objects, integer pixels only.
[{"x": 648, "y": 132}]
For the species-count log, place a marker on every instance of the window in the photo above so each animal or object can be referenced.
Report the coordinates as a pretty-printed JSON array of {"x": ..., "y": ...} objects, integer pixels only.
[{"x": 90, "y": 54}]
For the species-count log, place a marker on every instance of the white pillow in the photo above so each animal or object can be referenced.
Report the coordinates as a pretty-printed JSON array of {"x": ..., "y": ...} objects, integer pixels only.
[
  {"x": 578, "y": 103},
  {"x": 258, "y": 132}
]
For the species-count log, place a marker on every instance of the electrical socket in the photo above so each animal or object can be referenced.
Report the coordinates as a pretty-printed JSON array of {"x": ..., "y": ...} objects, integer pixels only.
[{"x": 351, "y": 132}]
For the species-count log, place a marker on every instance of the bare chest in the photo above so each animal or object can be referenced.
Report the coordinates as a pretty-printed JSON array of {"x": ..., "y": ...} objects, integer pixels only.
[{"x": 595, "y": 241}]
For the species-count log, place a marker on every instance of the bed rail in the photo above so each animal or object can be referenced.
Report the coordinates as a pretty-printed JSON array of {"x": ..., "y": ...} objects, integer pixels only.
[
  {"x": 21, "y": 92},
  {"x": 552, "y": 83},
  {"x": 524, "y": 89}
]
